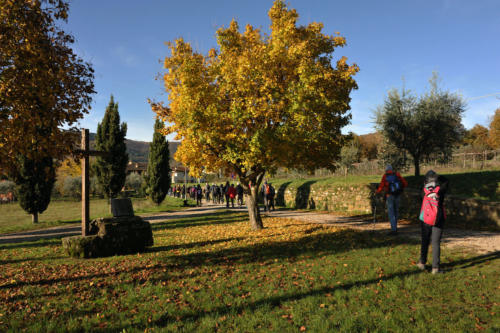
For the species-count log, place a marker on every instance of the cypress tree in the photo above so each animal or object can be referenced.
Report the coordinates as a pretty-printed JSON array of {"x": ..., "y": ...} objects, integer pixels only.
[
  {"x": 34, "y": 182},
  {"x": 110, "y": 169},
  {"x": 158, "y": 175}
]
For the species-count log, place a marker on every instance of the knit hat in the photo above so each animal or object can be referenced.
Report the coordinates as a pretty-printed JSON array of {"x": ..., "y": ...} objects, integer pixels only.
[{"x": 388, "y": 167}]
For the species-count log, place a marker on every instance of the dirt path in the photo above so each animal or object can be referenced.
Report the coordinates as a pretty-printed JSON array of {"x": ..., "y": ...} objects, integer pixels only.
[{"x": 481, "y": 242}]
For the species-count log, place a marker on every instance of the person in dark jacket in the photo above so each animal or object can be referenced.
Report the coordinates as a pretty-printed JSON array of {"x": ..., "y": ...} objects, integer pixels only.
[
  {"x": 239, "y": 193},
  {"x": 225, "y": 192},
  {"x": 431, "y": 234},
  {"x": 198, "y": 191}
]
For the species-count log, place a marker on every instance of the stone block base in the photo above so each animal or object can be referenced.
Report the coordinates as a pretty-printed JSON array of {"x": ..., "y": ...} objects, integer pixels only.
[
  {"x": 111, "y": 236},
  {"x": 82, "y": 247}
]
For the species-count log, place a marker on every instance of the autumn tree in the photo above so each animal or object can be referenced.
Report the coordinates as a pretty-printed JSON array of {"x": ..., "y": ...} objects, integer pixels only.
[
  {"x": 369, "y": 145},
  {"x": 158, "y": 175},
  {"x": 494, "y": 131},
  {"x": 69, "y": 167},
  {"x": 259, "y": 102},
  {"x": 45, "y": 87},
  {"x": 422, "y": 126},
  {"x": 111, "y": 169},
  {"x": 477, "y": 137}
]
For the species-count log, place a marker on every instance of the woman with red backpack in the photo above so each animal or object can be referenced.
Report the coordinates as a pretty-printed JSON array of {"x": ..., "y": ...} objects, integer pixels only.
[{"x": 432, "y": 217}]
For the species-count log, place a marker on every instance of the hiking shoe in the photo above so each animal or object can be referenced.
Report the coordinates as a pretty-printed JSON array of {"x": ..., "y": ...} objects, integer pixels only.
[
  {"x": 421, "y": 266},
  {"x": 436, "y": 271}
]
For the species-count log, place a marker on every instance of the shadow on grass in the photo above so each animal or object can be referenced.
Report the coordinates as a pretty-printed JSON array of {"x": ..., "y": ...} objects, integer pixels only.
[
  {"x": 280, "y": 194},
  {"x": 302, "y": 195},
  {"x": 276, "y": 301},
  {"x": 335, "y": 242},
  {"x": 25, "y": 244},
  {"x": 16, "y": 261},
  {"x": 209, "y": 219},
  {"x": 330, "y": 243},
  {"x": 191, "y": 245}
]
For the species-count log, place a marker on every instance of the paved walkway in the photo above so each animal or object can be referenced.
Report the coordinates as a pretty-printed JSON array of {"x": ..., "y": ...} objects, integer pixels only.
[{"x": 481, "y": 242}]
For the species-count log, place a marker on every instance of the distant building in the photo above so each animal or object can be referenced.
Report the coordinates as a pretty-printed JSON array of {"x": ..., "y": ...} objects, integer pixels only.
[
  {"x": 136, "y": 167},
  {"x": 141, "y": 168},
  {"x": 178, "y": 176}
]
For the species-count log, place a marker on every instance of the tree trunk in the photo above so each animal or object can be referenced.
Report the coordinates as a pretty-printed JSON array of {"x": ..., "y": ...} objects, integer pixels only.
[
  {"x": 34, "y": 218},
  {"x": 416, "y": 162},
  {"x": 253, "y": 209}
]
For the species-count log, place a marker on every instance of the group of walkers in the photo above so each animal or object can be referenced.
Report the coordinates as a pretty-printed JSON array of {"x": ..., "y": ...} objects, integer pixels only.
[
  {"x": 432, "y": 214},
  {"x": 223, "y": 193},
  {"x": 217, "y": 194}
]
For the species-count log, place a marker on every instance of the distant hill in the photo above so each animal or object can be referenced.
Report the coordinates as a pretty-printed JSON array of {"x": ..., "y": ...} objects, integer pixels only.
[{"x": 138, "y": 151}]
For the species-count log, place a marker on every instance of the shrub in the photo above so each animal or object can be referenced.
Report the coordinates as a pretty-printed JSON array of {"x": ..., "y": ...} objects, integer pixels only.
[
  {"x": 72, "y": 187},
  {"x": 6, "y": 186},
  {"x": 135, "y": 182}
]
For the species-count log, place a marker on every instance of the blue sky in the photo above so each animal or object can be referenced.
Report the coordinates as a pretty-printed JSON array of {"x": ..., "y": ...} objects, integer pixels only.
[{"x": 389, "y": 40}]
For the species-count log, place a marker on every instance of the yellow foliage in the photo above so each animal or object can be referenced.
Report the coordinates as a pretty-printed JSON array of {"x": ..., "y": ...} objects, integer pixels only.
[
  {"x": 69, "y": 167},
  {"x": 494, "y": 132},
  {"x": 261, "y": 101}
]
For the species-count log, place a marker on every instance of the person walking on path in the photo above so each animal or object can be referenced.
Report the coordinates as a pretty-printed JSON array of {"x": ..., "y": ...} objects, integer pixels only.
[
  {"x": 263, "y": 193},
  {"x": 207, "y": 193},
  {"x": 214, "y": 193},
  {"x": 226, "y": 193},
  {"x": 432, "y": 217},
  {"x": 392, "y": 184},
  {"x": 231, "y": 195},
  {"x": 270, "y": 197},
  {"x": 239, "y": 193},
  {"x": 198, "y": 193}
]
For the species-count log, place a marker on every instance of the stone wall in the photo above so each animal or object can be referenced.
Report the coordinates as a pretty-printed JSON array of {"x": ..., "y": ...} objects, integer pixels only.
[
  {"x": 339, "y": 198},
  {"x": 360, "y": 199}
]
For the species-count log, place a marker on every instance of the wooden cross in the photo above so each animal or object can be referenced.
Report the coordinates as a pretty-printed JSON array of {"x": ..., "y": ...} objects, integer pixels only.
[{"x": 86, "y": 153}]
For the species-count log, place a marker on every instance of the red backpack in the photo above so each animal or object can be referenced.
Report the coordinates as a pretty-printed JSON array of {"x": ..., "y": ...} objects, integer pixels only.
[{"x": 430, "y": 205}]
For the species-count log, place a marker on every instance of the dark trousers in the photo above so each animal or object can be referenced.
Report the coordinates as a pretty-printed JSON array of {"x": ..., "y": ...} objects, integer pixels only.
[
  {"x": 431, "y": 235},
  {"x": 268, "y": 202}
]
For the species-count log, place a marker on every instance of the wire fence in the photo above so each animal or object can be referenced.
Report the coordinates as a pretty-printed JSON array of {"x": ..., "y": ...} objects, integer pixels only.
[{"x": 487, "y": 159}]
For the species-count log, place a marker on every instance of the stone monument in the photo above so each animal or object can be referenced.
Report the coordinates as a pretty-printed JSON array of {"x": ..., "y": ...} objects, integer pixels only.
[{"x": 123, "y": 233}]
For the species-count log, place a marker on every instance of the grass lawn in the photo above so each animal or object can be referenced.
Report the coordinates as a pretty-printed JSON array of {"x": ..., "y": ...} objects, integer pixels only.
[
  {"x": 484, "y": 185},
  {"x": 14, "y": 218},
  {"x": 215, "y": 274}
]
